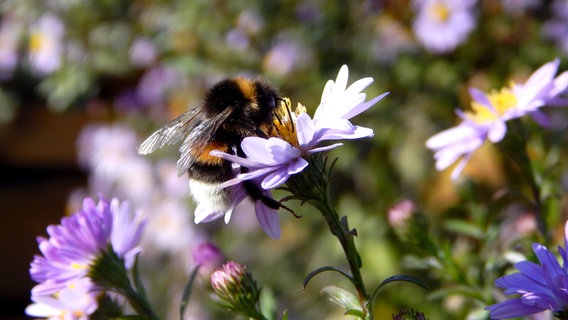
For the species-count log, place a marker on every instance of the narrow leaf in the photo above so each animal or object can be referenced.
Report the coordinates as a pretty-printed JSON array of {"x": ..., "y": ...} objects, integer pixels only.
[
  {"x": 137, "y": 279},
  {"x": 322, "y": 269},
  {"x": 187, "y": 292},
  {"x": 400, "y": 277}
]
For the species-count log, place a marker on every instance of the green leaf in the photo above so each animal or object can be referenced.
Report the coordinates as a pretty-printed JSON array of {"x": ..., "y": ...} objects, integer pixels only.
[
  {"x": 395, "y": 278},
  {"x": 268, "y": 303},
  {"x": 187, "y": 292},
  {"x": 343, "y": 298},
  {"x": 322, "y": 269},
  {"x": 137, "y": 280}
]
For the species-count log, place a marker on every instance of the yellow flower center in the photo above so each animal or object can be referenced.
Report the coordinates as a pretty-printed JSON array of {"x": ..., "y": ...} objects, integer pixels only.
[
  {"x": 36, "y": 42},
  {"x": 501, "y": 101},
  {"x": 439, "y": 11},
  {"x": 285, "y": 121}
]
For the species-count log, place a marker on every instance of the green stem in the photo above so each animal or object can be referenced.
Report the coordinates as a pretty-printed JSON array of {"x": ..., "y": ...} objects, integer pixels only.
[
  {"x": 517, "y": 149},
  {"x": 139, "y": 303},
  {"x": 313, "y": 186},
  {"x": 347, "y": 241}
]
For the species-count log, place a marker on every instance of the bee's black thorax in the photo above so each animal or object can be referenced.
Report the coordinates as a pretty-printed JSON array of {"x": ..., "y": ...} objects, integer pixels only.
[{"x": 253, "y": 102}]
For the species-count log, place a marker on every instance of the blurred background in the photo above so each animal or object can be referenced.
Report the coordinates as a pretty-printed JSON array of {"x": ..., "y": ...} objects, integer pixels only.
[{"x": 83, "y": 82}]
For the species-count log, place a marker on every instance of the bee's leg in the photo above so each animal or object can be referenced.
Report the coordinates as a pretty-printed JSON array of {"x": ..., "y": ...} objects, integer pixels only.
[
  {"x": 256, "y": 194},
  {"x": 261, "y": 134}
]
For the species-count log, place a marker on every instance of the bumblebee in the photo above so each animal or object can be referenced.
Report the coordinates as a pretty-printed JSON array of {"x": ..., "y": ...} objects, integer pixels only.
[{"x": 232, "y": 110}]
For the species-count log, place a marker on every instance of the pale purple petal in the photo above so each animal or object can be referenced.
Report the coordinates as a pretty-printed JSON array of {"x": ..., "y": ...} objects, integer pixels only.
[
  {"x": 497, "y": 131},
  {"x": 511, "y": 309},
  {"x": 305, "y": 130},
  {"x": 542, "y": 287},
  {"x": 245, "y": 162},
  {"x": 268, "y": 219},
  {"x": 364, "y": 106}
]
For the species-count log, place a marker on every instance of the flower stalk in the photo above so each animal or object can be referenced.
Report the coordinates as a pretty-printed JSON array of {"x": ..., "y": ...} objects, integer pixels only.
[{"x": 312, "y": 186}]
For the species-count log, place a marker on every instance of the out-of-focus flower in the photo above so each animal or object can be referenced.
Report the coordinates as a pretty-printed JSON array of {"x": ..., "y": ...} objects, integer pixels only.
[
  {"x": 169, "y": 226},
  {"x": 490, "y": 111},
  {"x": 442, "y": 25},
  {"x": 75, "y": 301},
  {"x": 10, "y": 32},
  {"x": 46, "y": 44},
  {"x": 208, "y": 257},
  {"x": 392, "y": 39},
  {"x": 286, "y": 56},
  {"x": 556, "y": 28},
  {"x": 143, "y": 52},
  {"x": 74, "y": 246},
  {"x": 520, "y": 6},
  {"x": 540, "y": 286},
  {"x": 400, "y": 213},
  {"x": 155, "y": 84},
  {"x": 237, "y": 39},
  {"x": 250, "y": 22},
  {"x": 109, "y": 152}
]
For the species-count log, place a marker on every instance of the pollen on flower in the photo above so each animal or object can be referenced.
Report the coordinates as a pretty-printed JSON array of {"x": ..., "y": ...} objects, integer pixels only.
[
  {"x": 502, "y": 101},
  {"x": 439, "y": 12},
  {"x": 79, "y": 266},
  {"x": 36, "y": 42},
  {"x": 285, "y": 121}
]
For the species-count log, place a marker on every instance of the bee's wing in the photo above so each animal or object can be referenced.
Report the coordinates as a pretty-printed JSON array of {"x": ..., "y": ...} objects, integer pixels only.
[
  {"x": 172, "y": 133},
  {"x": 196, "y": 142}
]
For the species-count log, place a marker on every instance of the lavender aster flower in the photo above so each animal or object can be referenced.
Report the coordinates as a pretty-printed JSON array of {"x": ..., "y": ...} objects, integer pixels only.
[
  {"x": 82, "y": 238},
  {"x": 486, "y": 120},
  {"x": 541, "y": 286},
  {"x": 556, "y": 28},
  {"x": 46, "y": 44},
  {"x": 10, "y": 32},
  {"x": 75, "y": 301},
  {"x": 442, "y": 25}
]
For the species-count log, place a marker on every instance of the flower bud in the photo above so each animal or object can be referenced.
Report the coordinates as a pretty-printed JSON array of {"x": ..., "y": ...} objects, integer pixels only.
[{"x": 237, "y": 289}]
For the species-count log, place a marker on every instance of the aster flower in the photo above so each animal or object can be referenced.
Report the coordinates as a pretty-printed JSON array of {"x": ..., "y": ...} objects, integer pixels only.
[
  {"x": 109, "y": 153},
  {"x": 46, "y": 44},
  {"x": 275, "y": 159},
  {"x": 81, "y": 239},
  {"x": 540, "y": 286},
  {"x": 442, "y": 25},
  {"x": 10, "y": 33},
  {"x": 489, "y": 112},
  {"x": 556, "y": 28},
  {"x": 77, "y": 300}
]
